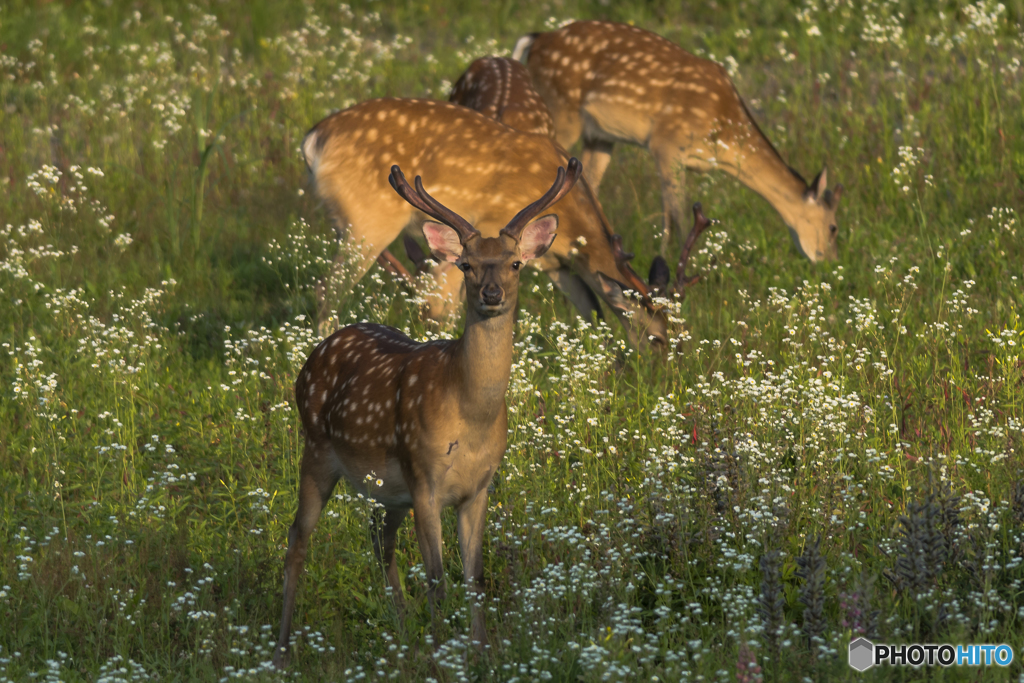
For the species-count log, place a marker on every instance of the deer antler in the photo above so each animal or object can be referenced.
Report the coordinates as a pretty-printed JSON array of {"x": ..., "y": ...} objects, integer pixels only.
[
  {"x": 563, "y": 183},
  {"x": 622, "y": 259},
  {"x": 700, "y": 222},
  {"x": 430, "y": 206}
]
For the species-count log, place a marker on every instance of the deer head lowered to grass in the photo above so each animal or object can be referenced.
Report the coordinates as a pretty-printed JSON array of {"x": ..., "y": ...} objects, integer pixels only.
[
  {"x": 426, "y": 420},
  {"x": 617, "y": 83}
]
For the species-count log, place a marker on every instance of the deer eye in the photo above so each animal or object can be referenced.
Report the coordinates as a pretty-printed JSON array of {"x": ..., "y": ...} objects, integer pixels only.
[
  {"x": 465, "y": 267},
  {"x": 516, "y": 265}
]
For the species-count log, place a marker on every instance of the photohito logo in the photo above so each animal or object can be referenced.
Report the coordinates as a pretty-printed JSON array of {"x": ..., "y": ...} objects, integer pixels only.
[{"x": 864, "y": 654}]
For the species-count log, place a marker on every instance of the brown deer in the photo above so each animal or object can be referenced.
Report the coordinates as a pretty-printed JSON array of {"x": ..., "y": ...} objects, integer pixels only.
[
  {"x": 616, "y": 83},
  {"x": 483, "y": 170},
  {"x": 420, "y": 425},
  {"x": 500, "y": 89}
]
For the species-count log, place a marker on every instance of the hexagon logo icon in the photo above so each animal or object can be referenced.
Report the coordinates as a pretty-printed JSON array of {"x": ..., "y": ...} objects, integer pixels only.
[{"x": 862, "y": 654}]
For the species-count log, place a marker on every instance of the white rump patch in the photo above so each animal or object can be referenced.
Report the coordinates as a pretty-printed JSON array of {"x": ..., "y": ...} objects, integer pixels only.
[
  {"x": 521, "y": 52},
  {"x": 309, "y": 152}
]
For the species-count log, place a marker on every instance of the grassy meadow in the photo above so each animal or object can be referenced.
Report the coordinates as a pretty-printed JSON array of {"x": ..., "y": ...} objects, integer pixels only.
[{"x": 827, "y": 451}]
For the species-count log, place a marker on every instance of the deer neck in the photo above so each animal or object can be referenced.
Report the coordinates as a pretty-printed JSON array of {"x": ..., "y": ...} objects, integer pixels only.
[
  {"x": 485, "y": 361},
  {"x": 764, "y": 172}
]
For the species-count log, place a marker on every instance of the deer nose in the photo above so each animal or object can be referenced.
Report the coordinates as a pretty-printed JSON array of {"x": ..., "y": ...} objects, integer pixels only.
[{"x": 492, "y": 294}]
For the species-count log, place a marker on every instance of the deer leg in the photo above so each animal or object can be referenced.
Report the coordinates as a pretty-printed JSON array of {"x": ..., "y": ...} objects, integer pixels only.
[
  {"x": 595, "y": 158},
  {"x": 384, "y": 530},
  {"x": 315, "y": 486},
  {"x": 326, "y": 295},
  {"x": 428, "y": 535},
  {"x": 338, "y": 282},
  {"x": 581, "y": 296},
  {"x": 472, "y": 520},
  {"x": 568, "y": 125},
  {"x": 328, "y": 290},
  {"x": 673, "y": 176},
  {"x": 335, "y": 285}
]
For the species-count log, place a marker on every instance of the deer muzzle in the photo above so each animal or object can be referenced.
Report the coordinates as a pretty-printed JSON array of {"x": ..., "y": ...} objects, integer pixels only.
[{"x": 492, "y": 295}]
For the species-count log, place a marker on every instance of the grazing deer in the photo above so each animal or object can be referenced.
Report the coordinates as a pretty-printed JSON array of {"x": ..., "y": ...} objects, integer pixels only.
[
  {"x": 484, "y": 171},
  {"x": 424, "y": 424},
  {"x": 616, "y": 83},
  {"x": 500, "y": 89}
]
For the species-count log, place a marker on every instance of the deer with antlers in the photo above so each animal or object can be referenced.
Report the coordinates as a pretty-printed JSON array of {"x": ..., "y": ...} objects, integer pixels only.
[
  {"x": 483, "y": 170},
  {"x": 616, "y": 83},
  {"x": 421, "y": 426}
]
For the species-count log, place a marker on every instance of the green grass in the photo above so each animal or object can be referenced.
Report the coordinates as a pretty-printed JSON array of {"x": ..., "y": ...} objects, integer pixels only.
[{"x": 651, "y": 518}]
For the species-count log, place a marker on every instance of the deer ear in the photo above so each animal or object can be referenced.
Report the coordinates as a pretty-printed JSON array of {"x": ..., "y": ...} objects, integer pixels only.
[
  {"x": 443, "y": 241},
  {"x": 537, "y": 237},
  {"x": 415, "y": 252},
  {"x": 836, "y": 194},
  {"x": 612, "y": 292},
  {"x": 659, "y": 274},
  {"x": 816, "y": 190}
]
